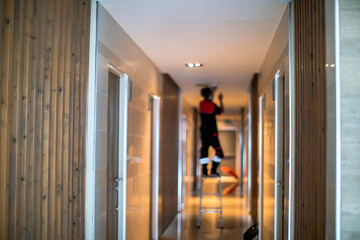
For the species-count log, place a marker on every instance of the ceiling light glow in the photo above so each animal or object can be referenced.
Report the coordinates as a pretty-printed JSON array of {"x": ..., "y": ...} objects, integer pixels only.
[{"x": 191, "y": 65}]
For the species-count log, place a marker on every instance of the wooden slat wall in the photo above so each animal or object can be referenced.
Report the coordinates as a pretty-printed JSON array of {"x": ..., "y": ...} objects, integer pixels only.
[
  {"x": 43, "y": 80},
  {"x": 310, "y": 119}
]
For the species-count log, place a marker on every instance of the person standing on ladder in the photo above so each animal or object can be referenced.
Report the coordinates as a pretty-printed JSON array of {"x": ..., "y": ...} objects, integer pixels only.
[{"x": 209, "y": 132}]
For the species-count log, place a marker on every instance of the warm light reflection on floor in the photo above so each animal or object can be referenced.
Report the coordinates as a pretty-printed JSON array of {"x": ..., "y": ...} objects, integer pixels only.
[{"x": 235, "y": 214}]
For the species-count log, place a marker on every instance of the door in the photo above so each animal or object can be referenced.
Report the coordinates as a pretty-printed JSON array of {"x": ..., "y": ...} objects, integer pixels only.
[
  {"x": 227, "y": 137},
  {"x": 112, "y": 157},
  {"x": 286, "y": 158},
  {"x": 281, "y": 155},
  {"x": 116, "y": 154}
]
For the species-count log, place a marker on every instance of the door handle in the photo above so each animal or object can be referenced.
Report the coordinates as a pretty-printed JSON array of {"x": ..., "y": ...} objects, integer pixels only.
[
  {"x": 279, "y": 183},
  {"x": 118, "y": 180}
]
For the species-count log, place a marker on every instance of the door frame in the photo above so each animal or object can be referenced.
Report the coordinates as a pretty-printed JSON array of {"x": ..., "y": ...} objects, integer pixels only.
[
  {"x": 279, "y": 149},
  {"x": 261, "y": 163},
  {"x": 180, "y": 157},
  {"x": 233, "y": 128},
  {"x": 154, "y": 107},
  {"x": 249, "y": 163},
  {"x": 183, "y": 150},
  {"x": 122, "y": 149}
]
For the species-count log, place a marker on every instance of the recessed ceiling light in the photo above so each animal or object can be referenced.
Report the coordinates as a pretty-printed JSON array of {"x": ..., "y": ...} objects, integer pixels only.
[{"x": 191, "y": 65}]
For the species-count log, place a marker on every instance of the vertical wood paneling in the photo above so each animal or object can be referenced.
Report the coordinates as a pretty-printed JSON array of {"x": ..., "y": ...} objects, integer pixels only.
[
  {"x": 310, "y": 121},
  {"x": 39, "y": 7},
  {"x": 45, "y": 167},
  {"x": 23, "y": 86},
  {"x": 30, "y": 151},
  {"x": 43, "y": 79},
  {"x": 53, "y": 119},
  {"x": 58, "y": 89},
  {"x": 66, "y": 128},
  {"x": 4, "y": 53},
  {"x": 13, "y": 102}
]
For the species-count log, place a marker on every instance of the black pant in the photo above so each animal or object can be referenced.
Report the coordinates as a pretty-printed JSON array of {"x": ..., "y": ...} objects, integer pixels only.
[{"x": 210, "y": 140}]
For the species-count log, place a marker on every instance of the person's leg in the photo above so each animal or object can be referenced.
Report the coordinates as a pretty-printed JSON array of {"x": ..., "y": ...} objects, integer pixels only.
[
  {"x": 217, "y": 157},
  {"x": 204, "y": 159}
]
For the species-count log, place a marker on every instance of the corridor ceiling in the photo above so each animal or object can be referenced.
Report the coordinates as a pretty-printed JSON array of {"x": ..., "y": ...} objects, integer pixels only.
[{"x": 229, "y": 37}]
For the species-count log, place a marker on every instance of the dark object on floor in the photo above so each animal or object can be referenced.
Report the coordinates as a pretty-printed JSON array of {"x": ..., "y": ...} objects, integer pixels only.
[{"x": 251, "y": 232}]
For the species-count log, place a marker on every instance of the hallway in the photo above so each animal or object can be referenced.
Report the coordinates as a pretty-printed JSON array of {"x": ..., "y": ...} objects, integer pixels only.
[
  {"x": 235, "y": 214},
  {"x": 104, "y": 106}
]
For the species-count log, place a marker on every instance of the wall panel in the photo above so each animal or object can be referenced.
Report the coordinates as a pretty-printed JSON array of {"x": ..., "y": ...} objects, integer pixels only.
[
  {"x": 268, "y": 211},
  {"x": 191, "y": 144},
  {"x": 310, "y": 119},
  {"x": 116, "y": 47},
  {"x": 253, "y": 142},
  {"x": 43, "y": 79},
  {"x": 170, "y": 151},
  {"x": 349, "y": 71},
  {"x": 277, "y": 57}
]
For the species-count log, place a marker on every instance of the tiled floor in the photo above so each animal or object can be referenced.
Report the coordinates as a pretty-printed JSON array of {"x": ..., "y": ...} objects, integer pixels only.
[{"x": 236, "y": 218}]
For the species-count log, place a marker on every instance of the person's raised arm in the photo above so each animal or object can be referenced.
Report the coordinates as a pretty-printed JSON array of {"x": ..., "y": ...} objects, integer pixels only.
[
  {"x": 221, "y": 102},
  {"x": 213, "y": 89}
]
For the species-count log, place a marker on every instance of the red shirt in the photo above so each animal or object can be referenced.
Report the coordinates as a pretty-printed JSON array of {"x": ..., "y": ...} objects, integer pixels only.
[{"x": 208, "y": 112}]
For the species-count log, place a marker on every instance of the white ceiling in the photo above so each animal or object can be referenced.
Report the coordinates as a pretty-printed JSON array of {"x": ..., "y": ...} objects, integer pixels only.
[{"x": 230, "y": 37}]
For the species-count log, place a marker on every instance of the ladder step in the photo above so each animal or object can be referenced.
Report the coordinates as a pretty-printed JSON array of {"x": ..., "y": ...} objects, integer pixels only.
[
  {"x": 218, "y": 195},
  {"x": 211, "y": 211},
  {"x": 210, "y": 207},
  {"x": 211, "y": 194}
]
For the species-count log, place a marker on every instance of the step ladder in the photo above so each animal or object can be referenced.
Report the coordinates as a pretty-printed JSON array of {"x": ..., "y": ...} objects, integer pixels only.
[{"x": 216, "y": 209}]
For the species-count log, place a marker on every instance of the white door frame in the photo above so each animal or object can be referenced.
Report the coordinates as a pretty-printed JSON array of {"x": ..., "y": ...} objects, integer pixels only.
[
  {"x": 279, "y": 149},
  {"x": 249, "y": 155},
  {"x": 155, "y": 153},
  {"x": 91, "y": 129},
  {"x": 180, "y": 153},
  {"x": 154, "y": 107},
  {"x": 122, "y": 150},
  {"x": 261, "y": 164},
  {"x": 183, "y": 150}
]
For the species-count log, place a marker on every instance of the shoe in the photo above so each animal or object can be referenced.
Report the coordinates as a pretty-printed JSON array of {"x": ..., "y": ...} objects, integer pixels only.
[
  {"x": 215, "y": 175},
  {"x": 214, "y": 168},
  {"x": 204, "y": 170}
]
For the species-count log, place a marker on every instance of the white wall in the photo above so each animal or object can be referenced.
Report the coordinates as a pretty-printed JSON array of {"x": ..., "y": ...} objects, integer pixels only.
[
  {"x": 277, "y": 56},
  {"x": 349, "y": 27},
  {"x": 115, "y": 46},
  {"x": 343, "y": 87},
  {"x": 101, "y": 148}
]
